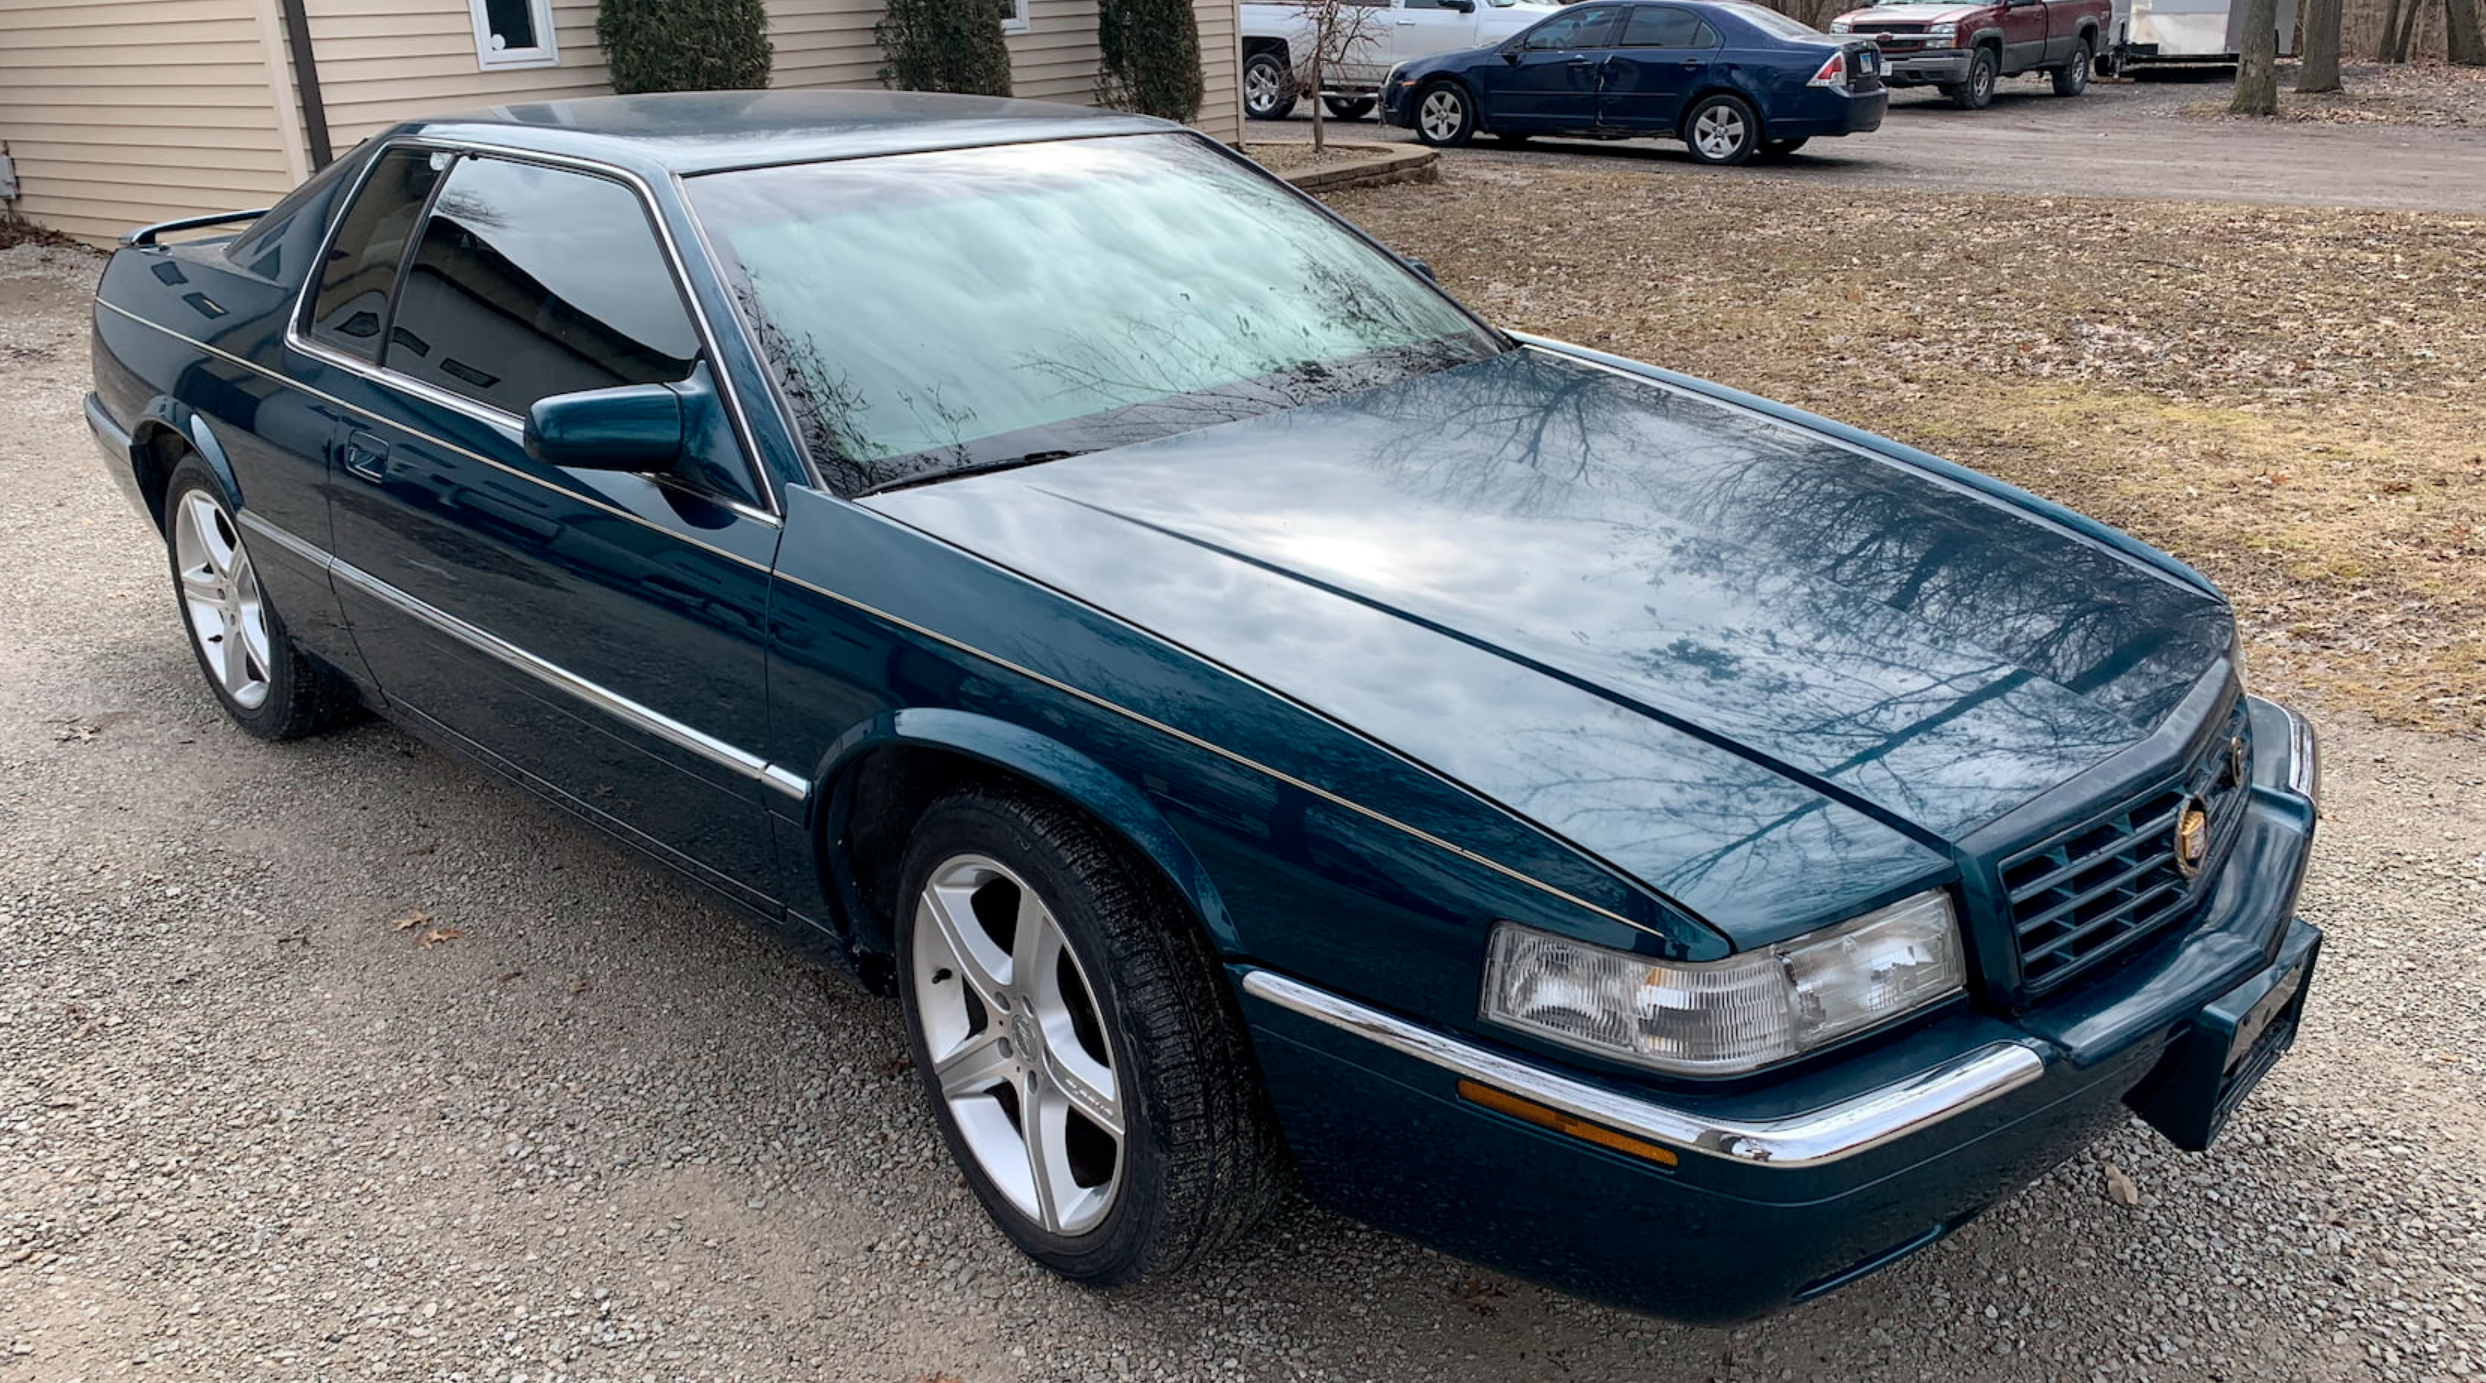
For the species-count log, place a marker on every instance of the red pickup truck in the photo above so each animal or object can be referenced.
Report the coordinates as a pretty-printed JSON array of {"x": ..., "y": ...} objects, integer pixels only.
[{"x": 1965, "y": 49}]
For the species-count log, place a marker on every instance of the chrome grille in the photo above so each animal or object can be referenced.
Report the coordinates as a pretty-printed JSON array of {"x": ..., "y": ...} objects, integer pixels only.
[{"x": 2089, "y": 892}]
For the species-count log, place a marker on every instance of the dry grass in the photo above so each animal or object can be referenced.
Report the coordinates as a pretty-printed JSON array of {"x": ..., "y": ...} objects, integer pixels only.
[
  {"x": 15, "y": 232},
  {"x": 2294, "y": 401}
]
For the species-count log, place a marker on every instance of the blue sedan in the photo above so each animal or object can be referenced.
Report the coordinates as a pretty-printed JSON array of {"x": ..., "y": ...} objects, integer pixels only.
[
  {"x": 1259, "y": 721},
  {"x": 1730, "y": 80}
]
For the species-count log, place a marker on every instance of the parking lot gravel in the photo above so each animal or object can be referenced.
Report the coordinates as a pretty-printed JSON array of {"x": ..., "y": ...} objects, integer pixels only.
[{"x": 343, "y": 1060}]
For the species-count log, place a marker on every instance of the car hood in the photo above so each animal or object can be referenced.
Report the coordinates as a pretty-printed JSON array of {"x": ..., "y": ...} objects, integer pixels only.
[
  {"x": 1910, "y": 14},
  {"x": 1744, "y": 662}
]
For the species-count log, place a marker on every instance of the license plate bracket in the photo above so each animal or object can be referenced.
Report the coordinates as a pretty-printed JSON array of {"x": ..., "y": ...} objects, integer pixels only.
[{"x": 2228, "y": 1048}]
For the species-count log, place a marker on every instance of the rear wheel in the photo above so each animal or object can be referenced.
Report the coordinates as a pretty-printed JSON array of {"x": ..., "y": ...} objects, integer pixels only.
[
  {"x": 1445, "y": 117},
  {"x": 1976, "y": 92},
  {"x": 1348, "y": 108},
  {"x": 2072, "y": 78},
  {"x": 1268, "y": 87},
  {"x": 266, "y": 684},
  {"x": 1722, "y": 130},
  {"x": 1085, "y": 1065}
]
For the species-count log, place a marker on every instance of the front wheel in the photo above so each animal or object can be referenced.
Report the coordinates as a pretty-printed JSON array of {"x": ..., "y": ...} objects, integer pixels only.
[
  {"x": 263, "y": 682},
  {"x": 2072, "y": 78},
  {"x": 1076, "y": 1043},
  {"x": 1977, "y": 91},
  {"x": 1445, "y": 117},
  {"x": 1722, "y": 130},
  {"x": 1268, "y": 87},
  {"x": 1348, "y": 108}
]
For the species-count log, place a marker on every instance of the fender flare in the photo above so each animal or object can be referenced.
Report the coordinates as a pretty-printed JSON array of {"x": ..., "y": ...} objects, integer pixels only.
[
  {"x": 1990, "y": 35},
  {"x": 165, "y": 414},
  {"x": 1028, "y": 754}
]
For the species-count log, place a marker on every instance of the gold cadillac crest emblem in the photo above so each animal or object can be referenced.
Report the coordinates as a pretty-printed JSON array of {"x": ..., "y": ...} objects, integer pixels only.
[{"x": 2192, "y": 837}]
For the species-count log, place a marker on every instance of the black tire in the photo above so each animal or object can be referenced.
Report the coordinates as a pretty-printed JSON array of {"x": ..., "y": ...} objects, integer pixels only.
[
  {"x": 2072, "y": 78},
  {"x": 296, "y": 695},
  {"x": 1722, "y": 130},
  {"x": 1977, "y": 92},
  {"x": 1354, "y": 108},
  {"x": 1200, "y": 1161},
  {"x": 1268, "y": 87},
  {"x": 1434, "y": 103},
  {"x": 1780, "y": 148}
]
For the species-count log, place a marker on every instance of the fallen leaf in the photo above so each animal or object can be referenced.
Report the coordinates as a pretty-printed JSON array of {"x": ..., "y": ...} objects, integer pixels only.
[
  {"x": 2119, "y": 1187},
  {"x": 413, "y": 918},
  {"x": 438, "y": 935}
]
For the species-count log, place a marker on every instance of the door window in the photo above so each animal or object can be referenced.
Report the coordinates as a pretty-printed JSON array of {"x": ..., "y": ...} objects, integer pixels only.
[
  {"x": 1579, "y": 29},
  {"x": 1660, "y": 26},
  {"x": 351, "y": 308},
  {"x": 530, "y": 281}
]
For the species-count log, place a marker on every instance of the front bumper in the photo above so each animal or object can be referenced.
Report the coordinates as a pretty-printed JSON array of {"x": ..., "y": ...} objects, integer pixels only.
[
  {"x": 1924, "y": 67},
  {"x": 1777, "y": 1195}
]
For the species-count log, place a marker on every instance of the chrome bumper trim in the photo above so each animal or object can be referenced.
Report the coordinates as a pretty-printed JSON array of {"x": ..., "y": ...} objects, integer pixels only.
[{"x": 1855, "y": 1125}]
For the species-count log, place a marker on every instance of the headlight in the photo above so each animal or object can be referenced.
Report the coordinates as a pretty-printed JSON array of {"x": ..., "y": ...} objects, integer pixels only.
[
  {"x": 1732, "y": 1015},
  {"x": 1841, "y": 26},
  {"x": 1941, "y": 33}
]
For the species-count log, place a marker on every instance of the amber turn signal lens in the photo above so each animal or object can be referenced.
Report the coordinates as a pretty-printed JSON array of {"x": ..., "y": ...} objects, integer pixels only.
[{"x": 1503, "y": 1102}]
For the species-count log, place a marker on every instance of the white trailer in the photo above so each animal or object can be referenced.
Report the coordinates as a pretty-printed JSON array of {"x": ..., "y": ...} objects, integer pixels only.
[{"x": 2208, "y": 32}]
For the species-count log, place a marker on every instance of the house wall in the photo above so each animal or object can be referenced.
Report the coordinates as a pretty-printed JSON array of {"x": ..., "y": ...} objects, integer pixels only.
[
  {"x": 381, "y": 61},
  {"x": 141, "y": 110},
  {"x": 122, "y": 112}
]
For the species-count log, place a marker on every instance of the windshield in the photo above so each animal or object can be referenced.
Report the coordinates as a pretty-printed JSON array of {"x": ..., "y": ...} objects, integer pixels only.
[
  {"x": 959, "y": 310},
  {"x": 1771, "y": 21}
]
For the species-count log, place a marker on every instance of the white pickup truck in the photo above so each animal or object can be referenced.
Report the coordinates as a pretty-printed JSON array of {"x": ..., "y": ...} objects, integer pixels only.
[{"x": 1277, "y": 35}]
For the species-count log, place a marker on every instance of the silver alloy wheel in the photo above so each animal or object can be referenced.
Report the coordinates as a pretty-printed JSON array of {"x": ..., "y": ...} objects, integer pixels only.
[
  {"x": 1017, "y": 1043},
  {"x": 1719, "y": 131},
  {"x": 1260, "y": 87},
  {"x": 220, "y": 591},
  {"x": 1441, "y": 114}
]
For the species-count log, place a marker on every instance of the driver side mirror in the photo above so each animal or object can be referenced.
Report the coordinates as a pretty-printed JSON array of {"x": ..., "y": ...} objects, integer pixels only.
[
  {"x": 1512, "y": 51},
  {"x": 633, "y": 427},
  {"x": 1462, "y": 6}
]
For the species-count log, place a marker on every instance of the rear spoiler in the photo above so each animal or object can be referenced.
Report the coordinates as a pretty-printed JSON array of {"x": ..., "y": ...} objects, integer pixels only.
[{"x": 145, "y": 235}]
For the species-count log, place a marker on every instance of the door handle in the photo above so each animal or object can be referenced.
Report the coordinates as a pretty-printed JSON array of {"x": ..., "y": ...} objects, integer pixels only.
[
  {"x": 366, "y": 456},
  {"x": 1581, "y": 62},
  {"x": 1695, "y": 63}
]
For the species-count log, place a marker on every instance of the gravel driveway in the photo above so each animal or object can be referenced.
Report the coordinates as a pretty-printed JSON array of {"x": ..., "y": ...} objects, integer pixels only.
[
  {"x": 259, "y": 1120},
  {"x": 2124, "y": 139}
]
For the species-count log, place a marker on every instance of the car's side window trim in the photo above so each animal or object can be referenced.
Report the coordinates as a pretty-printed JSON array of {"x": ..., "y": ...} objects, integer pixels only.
[{"x": 762, "y": 483}]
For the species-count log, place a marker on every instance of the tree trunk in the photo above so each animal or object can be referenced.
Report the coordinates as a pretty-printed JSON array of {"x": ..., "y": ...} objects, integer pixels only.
[
  {"x": 2408, "y": 29},
  {"x": 2257, "y": 68},
  {"x": 2467, "y": 47},
  {"x": 1320, "y": 131},
  {"x": 2320, "y": 69},
  {"x": 2390, "y": 26}
]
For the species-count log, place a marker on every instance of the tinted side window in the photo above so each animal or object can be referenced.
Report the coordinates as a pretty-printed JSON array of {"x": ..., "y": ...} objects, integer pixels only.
[
  {"x": 531, "y": 281},
  {"x": 1585, "y": 29},
  {"x": 1654, "y": 26},
  {"x": 354, "y": 285}
]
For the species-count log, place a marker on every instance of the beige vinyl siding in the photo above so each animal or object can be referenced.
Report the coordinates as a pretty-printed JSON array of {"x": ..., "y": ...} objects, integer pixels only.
[
  {"x": 828, "y": 43},
  {"x": 129, "y": 111},
  {"x": 1221, "y": 70},
  {"x": 382, "y": 61}
]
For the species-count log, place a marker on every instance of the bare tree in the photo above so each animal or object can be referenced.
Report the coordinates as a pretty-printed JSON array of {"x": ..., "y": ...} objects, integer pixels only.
[
  {"x": 2390, "y": 27},
  {"x": 1340, "y": 33},
  {"x": 2257, "y": 66},
  {"x": 2410, "y": 13},
  {"x": 2320, "y": 68},
  {"x": 2462, "y": 41}
]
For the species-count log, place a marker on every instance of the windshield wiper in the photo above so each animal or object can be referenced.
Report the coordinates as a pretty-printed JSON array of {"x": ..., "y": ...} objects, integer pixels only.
[{"x": 1007, "y": 463}]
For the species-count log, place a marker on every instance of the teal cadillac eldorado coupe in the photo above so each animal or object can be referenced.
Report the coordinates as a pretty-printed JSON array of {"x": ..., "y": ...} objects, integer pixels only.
[{"x": 1263, "y": 723}]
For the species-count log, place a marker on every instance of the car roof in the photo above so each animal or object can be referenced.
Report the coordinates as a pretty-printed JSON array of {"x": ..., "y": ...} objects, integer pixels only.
[{"x": 710, "y": 131}]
